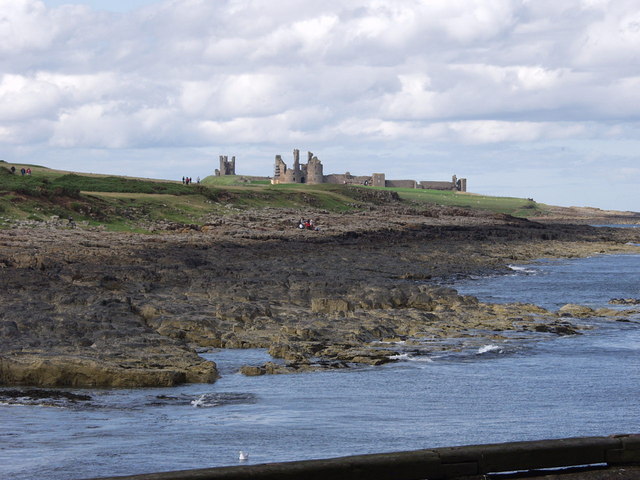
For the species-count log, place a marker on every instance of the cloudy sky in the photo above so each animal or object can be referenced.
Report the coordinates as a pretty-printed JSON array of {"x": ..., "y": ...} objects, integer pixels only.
[{"x": 527, "y": 98}]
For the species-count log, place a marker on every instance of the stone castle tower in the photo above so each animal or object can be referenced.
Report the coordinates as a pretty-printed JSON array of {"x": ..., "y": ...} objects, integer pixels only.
[
  {"x": 310, "y": 172},
  {"x": 314, "y": 169},
  {"x": 226, "y": 167}
]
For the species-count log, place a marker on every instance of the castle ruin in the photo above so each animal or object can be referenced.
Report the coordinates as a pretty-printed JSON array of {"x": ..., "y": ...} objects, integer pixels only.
[
  {"x": 226, "y": 167},
  {"x": 311, "y": 172}
]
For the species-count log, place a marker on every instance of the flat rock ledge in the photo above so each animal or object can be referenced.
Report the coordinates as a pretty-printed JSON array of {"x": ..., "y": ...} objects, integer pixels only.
[
  {"x": 81, "y": 308},
  {"x": 59, "y": 370}
]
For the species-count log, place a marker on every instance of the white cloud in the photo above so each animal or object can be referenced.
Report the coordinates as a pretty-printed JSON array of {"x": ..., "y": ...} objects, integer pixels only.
[
  {"x": 233, "y": 95},
  {"x": 92, "y": 125},
  {"x": 22, "y": 97},
  {"x": 518, "y": 78},
  {"x": 310, "y": 37},
  {"x": 491, "y": 131},
  {"x": 25, "y": 25},
  {"x": 476, "y": 20},
  {"x": 613, "y": 39},
  {"x": 408, "y": 75}
]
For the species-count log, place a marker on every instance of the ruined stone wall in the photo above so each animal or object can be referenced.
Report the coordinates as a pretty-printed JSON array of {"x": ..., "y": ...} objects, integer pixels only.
[
  {"x": 333, "y": 178},
  {"x": 226, "y": 167},
  {"x": 314, "y": 170},
  {"x": 279, "y": 170},
  {"x": 288, "y": 177},
  {"x": 438, "y": 185},
  {"x": 378, "y": 180},
  {"x": 348, "y": 179},
  {"x": 312, "y": 173},
  {"x": 401, "y": 183},
  {"x": 294, "y": 174}
]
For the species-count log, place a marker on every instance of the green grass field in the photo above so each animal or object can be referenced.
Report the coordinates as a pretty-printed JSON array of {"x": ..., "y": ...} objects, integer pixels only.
[
  {"x": 233, "y": 180},
  {"x": 519, "y": 207},
  {"x": 122, "y": 203}
]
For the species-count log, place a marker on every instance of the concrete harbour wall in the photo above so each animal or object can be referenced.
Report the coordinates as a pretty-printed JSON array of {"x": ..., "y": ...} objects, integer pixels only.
[{"x": 434, "y": 464}]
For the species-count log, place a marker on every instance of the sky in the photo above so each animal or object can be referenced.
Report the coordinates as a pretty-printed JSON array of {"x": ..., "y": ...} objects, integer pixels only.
[{"x": 527, "y": 98}]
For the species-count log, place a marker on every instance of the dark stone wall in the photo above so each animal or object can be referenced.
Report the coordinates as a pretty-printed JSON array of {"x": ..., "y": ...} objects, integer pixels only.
[
  {"x": 344, "y": 179},
  {"x": 401, "y": 183},
  {"x": 438, "y": 185}
]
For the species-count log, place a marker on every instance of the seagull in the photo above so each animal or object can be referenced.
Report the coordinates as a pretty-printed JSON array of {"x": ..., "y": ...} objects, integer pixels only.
[{"x": 243, "y": 456}]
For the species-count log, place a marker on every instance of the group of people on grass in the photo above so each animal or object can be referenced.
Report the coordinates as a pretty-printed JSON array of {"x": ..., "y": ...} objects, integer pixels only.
[
  {"x": 307, "y": 224},
  {"x": 23, "y": 171},
  {"x": 189, "y": 180}
]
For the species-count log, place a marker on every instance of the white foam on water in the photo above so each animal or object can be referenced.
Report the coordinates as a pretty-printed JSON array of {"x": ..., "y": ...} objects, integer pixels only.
[
  {"x": 218, "y": 399},
  {"x": 520, "y": 268},
  {"x": 405, "y": 357},
  {"x": 11, "y": 404},
  {"x": 489, "y": 348},
  {"x": 31, "y": 402}
]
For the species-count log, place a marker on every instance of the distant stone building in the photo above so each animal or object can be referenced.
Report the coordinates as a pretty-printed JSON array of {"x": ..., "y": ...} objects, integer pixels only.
[
  {"x": 311, "y": 172},
  {"x": 226, "y": 167}
]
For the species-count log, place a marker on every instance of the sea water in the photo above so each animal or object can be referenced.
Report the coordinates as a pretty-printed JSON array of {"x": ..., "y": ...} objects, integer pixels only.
[{"x": 549, "y": 387}]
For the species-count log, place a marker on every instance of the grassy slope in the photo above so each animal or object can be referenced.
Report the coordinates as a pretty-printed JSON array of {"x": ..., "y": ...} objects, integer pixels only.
[
  {"x": 519, "y": 207},
  {"x": 122, "y": 202}
]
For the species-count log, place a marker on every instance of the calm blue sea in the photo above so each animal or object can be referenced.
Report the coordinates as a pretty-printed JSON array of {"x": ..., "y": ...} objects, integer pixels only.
[{"x": 551, "y": 387}]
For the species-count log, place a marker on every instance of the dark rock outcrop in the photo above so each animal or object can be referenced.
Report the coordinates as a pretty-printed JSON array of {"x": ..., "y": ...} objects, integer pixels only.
[{"x": 85, "y": 308}]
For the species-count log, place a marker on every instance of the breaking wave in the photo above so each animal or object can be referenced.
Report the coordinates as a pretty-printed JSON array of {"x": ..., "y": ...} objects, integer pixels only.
[
  {"x": 406, "y": 357},
  {"x": 521, "y": 269},
  {"x": 208, "y": 400},
  {"x": 488, "y": 349},
  {"x": 203, "y": 400}
]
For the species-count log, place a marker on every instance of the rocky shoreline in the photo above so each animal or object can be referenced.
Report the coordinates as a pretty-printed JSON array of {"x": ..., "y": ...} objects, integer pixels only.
[{"x": 85, "y": 308}]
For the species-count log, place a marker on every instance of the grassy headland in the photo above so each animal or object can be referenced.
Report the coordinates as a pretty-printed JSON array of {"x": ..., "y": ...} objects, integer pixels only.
[
  {"x": 124, "y": 203},
  {"x": 229, "y": 268}
]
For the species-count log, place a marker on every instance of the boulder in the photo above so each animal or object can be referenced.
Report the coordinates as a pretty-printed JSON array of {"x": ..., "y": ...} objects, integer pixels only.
[
  {"x": 576, "y": 311},
  {"x": 557, "y": 328},
  {"x": 330, "y": 305},
  {"x": 252, "y": 371},
  {"x": 625, "y": 301}
]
